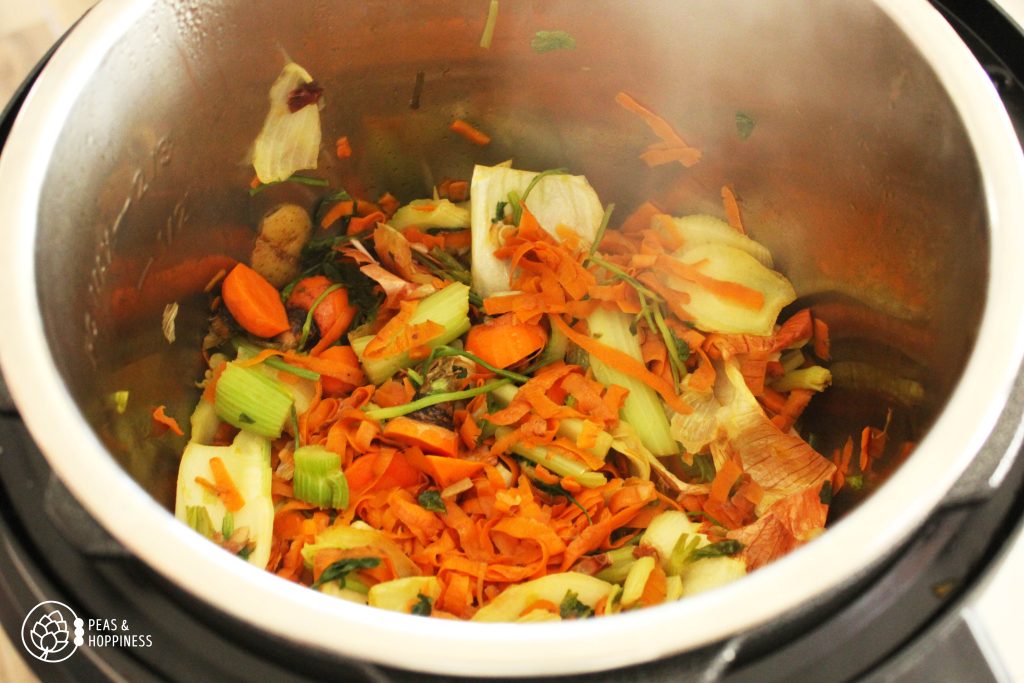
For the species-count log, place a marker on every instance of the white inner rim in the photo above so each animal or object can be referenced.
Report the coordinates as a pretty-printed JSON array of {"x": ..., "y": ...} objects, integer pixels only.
[{"x": 296, "y": 613}]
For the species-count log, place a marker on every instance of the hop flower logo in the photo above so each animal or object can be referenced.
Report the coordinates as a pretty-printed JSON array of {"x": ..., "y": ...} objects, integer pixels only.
[{"x": 46, "y": 634}]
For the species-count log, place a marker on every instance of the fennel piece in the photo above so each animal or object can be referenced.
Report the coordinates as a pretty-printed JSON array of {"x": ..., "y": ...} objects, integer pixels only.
[{"x": 642, "y": 409}]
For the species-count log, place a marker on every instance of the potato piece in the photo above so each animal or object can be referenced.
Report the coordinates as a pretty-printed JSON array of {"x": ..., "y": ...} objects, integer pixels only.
[{"x": 284, "y": 231}]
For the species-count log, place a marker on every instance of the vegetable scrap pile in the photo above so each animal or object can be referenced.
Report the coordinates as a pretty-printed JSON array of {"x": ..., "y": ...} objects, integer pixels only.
[{"x": 499, "y": 402}]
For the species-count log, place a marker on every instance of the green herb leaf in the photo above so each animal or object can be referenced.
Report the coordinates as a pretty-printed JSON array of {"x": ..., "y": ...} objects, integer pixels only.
[
  {"x": 294, "y": 178},
  {"x": 246, "y": 551},
  {"x": 340, "y": 569},
  {"x": 423, "y": 607},
  {"x": 554, "y": 490},
  {"x": 546, "y": 41},
  {"x": 499, "y": 212},
  {"x": 744, "y": 125},
  {"x": 702, "y": 471},
  {"x": 572, "y": 608},
  {"x": 721, "y": 549},
  {"x": 431, "y": 500}
]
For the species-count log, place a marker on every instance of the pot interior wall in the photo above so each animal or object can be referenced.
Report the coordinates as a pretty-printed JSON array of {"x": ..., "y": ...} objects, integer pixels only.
[{"x": 849, "y": 159}]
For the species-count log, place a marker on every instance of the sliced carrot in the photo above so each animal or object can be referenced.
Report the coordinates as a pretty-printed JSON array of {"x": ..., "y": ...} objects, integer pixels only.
[
  {"x": 345, "y": 374},
  {"x": 363, "y": 475},
  {"x": 388, "y": 204},
  {"x": 342, "y": 147},
  {"x": 254, "y": 302},
  {"x": 226, "y": 488},
  {"x": 732, "y": 209},
  {"x": 655, "y": 589},
  {"x": 333, "y": 314},
  {"x": 361, "y": 224},
  {"x": 504, "y": 341},
  {"x": 449, "y": 470},
  {"x": 337, "y": 212},
  {"x": 430, "y": 437},
  {"x": 162, "y": 418},
  {"x": 469, "y": 132}
]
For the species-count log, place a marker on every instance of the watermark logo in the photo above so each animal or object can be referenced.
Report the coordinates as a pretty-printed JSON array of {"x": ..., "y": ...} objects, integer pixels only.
[{"x": 47, "y": 631}]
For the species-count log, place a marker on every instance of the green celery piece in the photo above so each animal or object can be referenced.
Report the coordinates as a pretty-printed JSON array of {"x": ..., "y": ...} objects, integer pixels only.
[
  {"x": 642, "y": 408},
  {"x": 318, "y": 478},
  {"x": 448, "y": 307},
  {"x": 251, "y": 401},
  {"x": 556, "y": 463}
]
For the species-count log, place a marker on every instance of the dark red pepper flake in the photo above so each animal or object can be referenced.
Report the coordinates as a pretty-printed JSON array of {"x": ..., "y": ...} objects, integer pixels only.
[{"x": 304, "y": 95}]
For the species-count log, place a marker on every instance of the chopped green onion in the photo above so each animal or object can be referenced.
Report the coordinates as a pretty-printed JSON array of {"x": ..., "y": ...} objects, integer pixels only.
[
  {"x": 318, "y": 478},
  {"x": 251, "y": 401},
  {"x": 730, "y": 546},
  {"x": 227, "y": 525},
  {"x": 432, "y": 400},
  {"x": 308, "y": 323}
]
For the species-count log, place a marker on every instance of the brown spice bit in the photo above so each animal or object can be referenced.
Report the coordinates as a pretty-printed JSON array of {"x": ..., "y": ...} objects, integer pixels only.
[{"x": 304, "y": 95}]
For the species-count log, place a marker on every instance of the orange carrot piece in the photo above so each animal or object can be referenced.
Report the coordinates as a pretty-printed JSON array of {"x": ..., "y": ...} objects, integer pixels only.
[
  {"x": 540, "y": 604},
  {"x": 430, "y": 437},
  {"x": 254, "y": 302},
  {"x": 162, "y": 418},
  {"x": 724, "y": 480},
  {"x": 733, "y": 291},
  {"x": 388, "y": 204},
  {"x": 732, "y": 209},
  {"x": 469, "y": 432},
  {"x": 505, "y": 341},
  {"x": 394, "y": 393},
  {"x": 458, "y": 190},
  {"x": 333, "y": 314},
  {"x": 226, "y": 488},
  {"x": 345, "y": 372},
  {"x": 655, "y": 589},
  {"x": 342, "y": 147},
  {"x": 337, "y": 212},
  {"x": 361, "y": 224},
  {"x": 821, "y": 343},
  {"x": 449, "y": 470},
  {"x": 469, "y": 132},
  {"x": 398, "y": 472}
]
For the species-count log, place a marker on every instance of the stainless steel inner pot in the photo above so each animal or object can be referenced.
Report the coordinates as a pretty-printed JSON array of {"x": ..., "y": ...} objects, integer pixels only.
[{"x": 881, "y": 170}]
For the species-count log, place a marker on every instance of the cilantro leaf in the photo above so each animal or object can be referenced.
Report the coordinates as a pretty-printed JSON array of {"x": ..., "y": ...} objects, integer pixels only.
[
  {"x": 431, "y": 500},
  {"x": 423, "y": 607},
  {"x": 546, "y": 41},
  {"x": 337, "y": 571},
  {"x": 572, "y": 608},
  {"x": 744, "y": 125}
]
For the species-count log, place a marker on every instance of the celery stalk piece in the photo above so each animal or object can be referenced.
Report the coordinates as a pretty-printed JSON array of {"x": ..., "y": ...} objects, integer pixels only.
[
  {"x": 251, "y": 401},
  {"x": 319, "y": 479},
  {"x": 636, "y": 580},
  {"x": 559, "y": 464},
  {"x": 642, "y": 408},
  {"x": 815, "y": 378},
  {"x": 247, "y": 460},
  {"x": 448, "y": 308},
  {"x": 555, "y": 200},
  {"x": 553, "y": 587}
]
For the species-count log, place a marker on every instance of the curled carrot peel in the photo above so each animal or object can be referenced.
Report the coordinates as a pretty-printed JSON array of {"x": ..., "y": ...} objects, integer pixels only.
[
  {"x": 254, "y": 302},
  {"x": 505, "y": 341},
  {"x": 625, "y": 364},
  {"x": 162, "y": 418}
]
